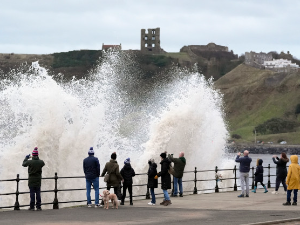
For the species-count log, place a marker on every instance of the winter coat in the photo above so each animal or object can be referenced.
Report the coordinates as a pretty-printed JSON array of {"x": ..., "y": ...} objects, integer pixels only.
[
  {"x": 259, "y": 173},
  {"x": 281, "y": 170},
  {"x": 112, "y": 168},
  {"x": 127, "y": 173},
  {"x": 91, "y": 167},
  {"x": 293, "y": 176},
  {"x": 179, "y": 164},
  {"x": 34, "y": 171},
  {"x": 164, "y": 174},
  {"x": 244, "y": 163},
  {"x": 152, "y": 172}
]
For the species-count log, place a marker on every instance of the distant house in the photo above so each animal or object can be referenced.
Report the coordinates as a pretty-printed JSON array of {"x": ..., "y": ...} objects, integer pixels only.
[
  {"x": 281, "y": 65},
  {"x": 115, "y": 47}
]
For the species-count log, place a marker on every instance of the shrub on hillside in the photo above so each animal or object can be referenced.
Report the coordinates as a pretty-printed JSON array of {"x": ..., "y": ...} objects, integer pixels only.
[
  {"x": 236, "y": 136},
  {"x": 275, "y": 126},
  {"x": 297, "y": 110}
]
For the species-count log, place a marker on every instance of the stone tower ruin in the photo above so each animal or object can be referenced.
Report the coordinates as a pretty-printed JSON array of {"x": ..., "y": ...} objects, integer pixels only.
[{"x": 150, "y": 41}]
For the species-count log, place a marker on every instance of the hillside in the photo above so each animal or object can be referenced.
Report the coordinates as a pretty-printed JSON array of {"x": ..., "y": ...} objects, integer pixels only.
[{"x": 253, "y": 96}]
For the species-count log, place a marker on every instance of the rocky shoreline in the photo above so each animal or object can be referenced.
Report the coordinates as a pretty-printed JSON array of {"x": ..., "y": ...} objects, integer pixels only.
[{"x": 265, "y": 149}]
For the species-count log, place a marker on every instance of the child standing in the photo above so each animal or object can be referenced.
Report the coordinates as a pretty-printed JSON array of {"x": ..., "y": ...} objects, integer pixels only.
[
  {"x": 127, "y": 173},
  {"x": 259, "y": 175},
  {"x": 293, "y": 180},
  {"x": 152, "y": 183}
]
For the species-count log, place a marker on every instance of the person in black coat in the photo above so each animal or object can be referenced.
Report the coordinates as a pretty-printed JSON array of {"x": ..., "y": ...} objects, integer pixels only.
[
  {"x": 127, "y": 173},
  {"x": 165, "y": 178},
  {"x": 152, "y": 183},
  {"x": 281, "y": 171},
  {"x": 259, "y": 175}
]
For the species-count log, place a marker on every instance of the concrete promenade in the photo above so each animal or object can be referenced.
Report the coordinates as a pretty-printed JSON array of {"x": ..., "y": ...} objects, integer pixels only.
[{"x": 216, "y": 208}]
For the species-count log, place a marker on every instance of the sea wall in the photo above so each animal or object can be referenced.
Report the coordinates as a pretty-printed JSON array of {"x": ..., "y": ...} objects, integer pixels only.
[{"x": 265, "y": 149}]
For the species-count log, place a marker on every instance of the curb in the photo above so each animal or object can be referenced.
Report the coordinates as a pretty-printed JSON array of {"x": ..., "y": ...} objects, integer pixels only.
[{"x": 274, "y": 221}]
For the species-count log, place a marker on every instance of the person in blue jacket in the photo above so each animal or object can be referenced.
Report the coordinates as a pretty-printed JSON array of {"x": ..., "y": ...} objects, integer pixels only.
[
  {"x": 244, "y": 172},
  {"x": 91, "y": 168}
]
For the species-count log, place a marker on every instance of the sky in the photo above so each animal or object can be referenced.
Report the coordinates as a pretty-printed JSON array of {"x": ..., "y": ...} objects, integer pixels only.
[{"x": 48, "y": 26}]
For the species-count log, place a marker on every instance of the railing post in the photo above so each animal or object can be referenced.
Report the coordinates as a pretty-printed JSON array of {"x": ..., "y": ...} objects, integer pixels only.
[
  {"x": 235, "y": 186},
  {"x": 17, "y": 205},
  {"x": 269, "y": 182},
  {"x": 195, "y": 188},
  {"x": 217, "y": 187},
  {"x": 55, "y": 202},
  {"x": 147, "y": 194},
  {"x": 253, "y": 177}
]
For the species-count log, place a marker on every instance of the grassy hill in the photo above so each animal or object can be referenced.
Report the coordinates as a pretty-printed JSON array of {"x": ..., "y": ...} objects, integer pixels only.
[{"x": 253, "y": 96}]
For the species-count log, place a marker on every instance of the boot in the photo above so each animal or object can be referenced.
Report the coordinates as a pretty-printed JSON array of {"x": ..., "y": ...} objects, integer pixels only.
[
  {"x": 167, "y": 202},
  {"x": 163, "y": 202},
  {"x": 266, "y": 190},
  {"x": 254, "y": 191}
]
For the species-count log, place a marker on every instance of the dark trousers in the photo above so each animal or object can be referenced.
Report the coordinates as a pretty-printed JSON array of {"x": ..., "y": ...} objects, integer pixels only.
[
  {"x": 35, "y": 194},
  {"x": 280, "y": 180},
  {"x": 260, "y": 183},
  {"x": 289, "y": 193},
  {"x": 125, "y": 186}
]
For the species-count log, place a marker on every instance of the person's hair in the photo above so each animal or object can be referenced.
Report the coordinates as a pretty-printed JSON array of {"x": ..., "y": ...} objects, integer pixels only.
[
  {"x": 257, "y": 163},
  {"x": 283, "y": 154}
]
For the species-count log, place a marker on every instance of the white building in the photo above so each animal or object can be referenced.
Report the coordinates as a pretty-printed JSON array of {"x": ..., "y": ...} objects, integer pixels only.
[{"x": 281, "y": 65}]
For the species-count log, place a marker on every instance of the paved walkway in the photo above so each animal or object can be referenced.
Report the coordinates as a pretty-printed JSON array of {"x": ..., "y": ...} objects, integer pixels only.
[{"x": 217, "y": 208}]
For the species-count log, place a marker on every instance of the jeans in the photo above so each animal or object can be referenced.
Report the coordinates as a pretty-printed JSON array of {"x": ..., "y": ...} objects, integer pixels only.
[
  {"x": 95, "y": 183},
  {"x": 280, "y": 180},
  {"x": 244, "y": 178},
  {"x": 288, "y": 196},
  {"x": 166, "y": 195},
  {"x": 177, "y": 181},
  {"x": 152, "y": 195},
  {"x": 125, "y": 186},
  {"x": 35, "y": 192}
]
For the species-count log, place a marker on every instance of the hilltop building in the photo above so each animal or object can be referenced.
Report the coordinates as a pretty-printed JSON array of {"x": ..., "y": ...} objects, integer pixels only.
[
  {"x": 209, "y": 47},
  {"x": 150, "y": 41},
  {"x": 257, "y": 59},
  {"x": 281, "y": 65},
  {"x": 115, "y": 47}
]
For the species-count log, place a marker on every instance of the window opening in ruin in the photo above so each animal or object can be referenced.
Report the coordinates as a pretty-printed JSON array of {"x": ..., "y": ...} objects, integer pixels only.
[
  {"x": 146, "y": 38},
  {"x": 153, "y": 45},
  {"x": 153, "y": 31},
  {"x": 150, "y": 49},
  {"x": 153, "y": 38},
  {"x": 145, "y": 44}
]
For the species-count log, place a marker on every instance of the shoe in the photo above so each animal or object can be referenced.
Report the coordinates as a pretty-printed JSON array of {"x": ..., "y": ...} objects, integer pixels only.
[
  {"x": 254, "y": 191},
  {"x": 294, "y": 203},
  {"x": 39, "y": 209},
  {"x": 247, "y": 196},
  {"x": 163, "y": 202},
  {"x": 180, "y": 195},
  {"x": 240, "y": 196},
  {"x": 287, "y": 203},
  {"x": 150, "y": 203},
  {"x": 275, "y": 192},
  {"x": 122, "y": 203},
  {"x": 98, "y": 206},
  {"x": 89, "y": 205},
  {"x": 131, "y": 203},
  {"x": 31, "y": 209},
  {"x": 174, "y": 196},
  {"x": 167, "y": 202}
]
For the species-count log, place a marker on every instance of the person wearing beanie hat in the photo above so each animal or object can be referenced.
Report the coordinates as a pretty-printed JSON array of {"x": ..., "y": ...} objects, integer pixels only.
[
  {"x": 165, "y": 178},
  {"x": 127, "y": 173},
  {"x": 34, "y": 178},
  {"x": 152, "y": 183},
  {"x": 91, "y": 168},
  {"x": 113, "y": 171}
]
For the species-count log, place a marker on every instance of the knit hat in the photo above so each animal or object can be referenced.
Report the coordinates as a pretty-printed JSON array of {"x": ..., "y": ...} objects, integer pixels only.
[
  {"x": 163, "y": 155},
  {"x": 35, "y": 152},
  {"x": 91, "y": 151},
  {"x": 114, "y": 155},
  {"x": 127, "y": 160}
]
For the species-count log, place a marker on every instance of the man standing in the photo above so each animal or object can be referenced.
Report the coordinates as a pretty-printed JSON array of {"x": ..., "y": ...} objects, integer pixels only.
[
  {"x": 179, "y": 164},
  {"x": 34, "y": 178},
  {"x": 244, "y": 172},
  {"x": 91, "y": 168}
]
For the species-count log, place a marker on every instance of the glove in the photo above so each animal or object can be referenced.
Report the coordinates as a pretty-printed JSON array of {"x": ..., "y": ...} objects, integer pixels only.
[
  {"x": 155, "y": 177},
  {"x": 27, "y": 156}
]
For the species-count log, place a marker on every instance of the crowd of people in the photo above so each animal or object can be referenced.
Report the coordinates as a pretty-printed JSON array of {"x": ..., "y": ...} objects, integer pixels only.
[
  {"x": 113, "y": 176},
  {"x": 290, "y": 178}
]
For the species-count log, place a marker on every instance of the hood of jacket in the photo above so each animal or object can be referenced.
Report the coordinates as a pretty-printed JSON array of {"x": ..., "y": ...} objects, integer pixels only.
[
  {"x": 294, "y": 159},
  {"x": 113, "y": 161},
  {"x": 154, "y": 165},
  {"x": 260, "y": 162},
  {"x": 165, "y": 160},
  {"x": 285, "y": 159},
  {"x": 127, "y": 166},
  {"x": 182, "y": 159}
]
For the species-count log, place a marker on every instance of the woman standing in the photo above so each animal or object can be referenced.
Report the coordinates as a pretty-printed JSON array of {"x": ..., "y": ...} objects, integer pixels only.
[
  {"x": 152, "y": 183},
  {"x": 165, "y": 178},
  {"x": 281, "y": 171}
]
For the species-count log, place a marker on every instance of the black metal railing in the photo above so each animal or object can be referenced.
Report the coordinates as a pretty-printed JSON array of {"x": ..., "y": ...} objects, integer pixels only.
[{"x": 195, "y": 190}]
